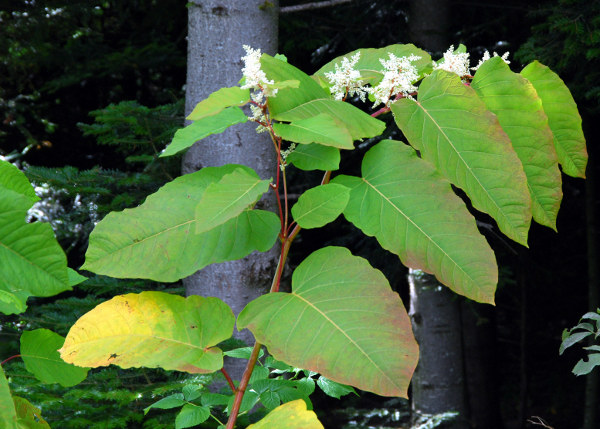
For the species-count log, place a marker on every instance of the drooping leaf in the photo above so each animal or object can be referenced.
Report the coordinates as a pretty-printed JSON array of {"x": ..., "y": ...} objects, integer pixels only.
[
  {"x": 342, "y": 320},
  {"x": 218, "y": 101},
  {"x": 584, "y": 367},
  {"x": 291, "y": 415},
  {"x": 572, "y": 339},
  {"x": 288, "y": 98},
  {"x": 157, "y": 240},
  {"x": 11, "y": 178},
  {"x": 323, "y": 129},
  {"x": 563, "y": 117},
  {"x": 39, "y": 350},
  {"x": 28, "y": 415},
  {"x": 8, "y": 413},
  {"x": 172, "y": 401},
  {"x": 215, "y": 124},
  {"x": 191, "y": 415},
  {"x": 228, "y": 198},
  {"x": 519, "y": 110},
  {"x": 320, "y": 205},
  {"x": 369, "y": 66},
  {"x": 413, "y": 212},
  {"x": 333, "y": 389},
  {"x": 453, "y": 130},
  {"x": 315, "y": 157},
  {"x": 151, "y": 329},
  {"x": 358, "y": 123}
]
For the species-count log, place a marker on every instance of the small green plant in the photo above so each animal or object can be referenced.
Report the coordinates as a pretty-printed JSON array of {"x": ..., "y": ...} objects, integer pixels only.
[
  {"x": 588, "y": 326},
  {"x": 497, "y": 135}
]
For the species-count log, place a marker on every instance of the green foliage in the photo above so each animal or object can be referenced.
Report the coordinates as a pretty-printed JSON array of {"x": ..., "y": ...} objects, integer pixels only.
[{"x": 588, "y": 327}]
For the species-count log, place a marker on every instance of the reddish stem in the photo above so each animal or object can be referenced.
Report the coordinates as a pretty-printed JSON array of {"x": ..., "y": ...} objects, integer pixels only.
[
  {"x": 9, "y": 359},
  {"x": 239, "y": 393},
  {"x": 229, "y": 380}
]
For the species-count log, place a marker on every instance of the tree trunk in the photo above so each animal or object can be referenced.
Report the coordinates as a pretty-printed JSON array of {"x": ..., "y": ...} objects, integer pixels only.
[
  {"x": 217, "y": 31},
  {"x": 438, "y": 383}
]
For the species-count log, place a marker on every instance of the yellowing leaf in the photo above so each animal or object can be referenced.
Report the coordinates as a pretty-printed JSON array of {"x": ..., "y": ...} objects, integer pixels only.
[
  {"x": 291, "y": 415},
  {"x": 151, "y": 329}
]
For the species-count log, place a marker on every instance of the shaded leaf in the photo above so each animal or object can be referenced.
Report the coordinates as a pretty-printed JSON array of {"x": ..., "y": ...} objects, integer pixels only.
[
  {"x": 563, "y": 117},
  {"x": 39, "y": 350},
  {"x": 333, "y": 389},
  {"x": 315, "y": 157},
  {"x": 412, "y": 211},
  {"x": 572, "y": 339},
  {"x": 8, "y": 413},
  {"x": 585, "y": 367},
  {"x": 323, "y": 129},
  {"x": 453, "y": 130},
  {"x": 320, "y": 205},
  {"x": 292, "y": 415},
  {"x": 341, "y": 320},
  {"x": 157, "y": 240},
  {"x": 519, "y": 110},
  {"x": 218, "y": 101},
  {"x": 208, "y": 125},
  {"x": 28, "y": 415},
  {"x": 191, "y": 415},
  {"x": 228, "y": 198},
  {"x": 151, "y": 329}
]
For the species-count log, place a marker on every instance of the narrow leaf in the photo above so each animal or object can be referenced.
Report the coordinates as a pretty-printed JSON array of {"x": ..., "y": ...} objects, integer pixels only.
[
  {"x": 320, "y": 205},
  {"x": 157, "y": 241},
  {"x": 291, "y": 415},
  {"x": 323, "y": 129},
  {"x": 228, "y": 198},
  {"x": 520, "y": 113},
  {"x": 453, "y": 130},
  {"x": 154, "y": 330},
  {"x": 39, "y": 350},
  {"x": 412, "y": 211},
  {"x": 563, "y": 118},
  {"x": 215, "y": 124},
  {"x": 315, "y": 157},
  {"x": 219, "y": 100},
  {"x": 342, "y": 320}
]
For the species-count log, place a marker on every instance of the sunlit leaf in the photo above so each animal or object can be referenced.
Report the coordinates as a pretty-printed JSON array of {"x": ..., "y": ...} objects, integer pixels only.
[
  {"x": 215, "y": 124},
  {"x": 413, "y": 212},
  {"x": 39, "y": 350},
  {"x": 157, "y": 240},
  {"x": 315, "y": 157},
  {"x": 218, "y": 101},
  {"x": 228, "y": 198},
  {"x": 520, "y": 113},
  {"x": 342, "y": 320},
  {"x": 292, "y": 415},
  {"x": 323, "y": 129},
  {"x": 11, "y": 178},
  {"x": 333, "y": 389},
  {"x": 563, "y": 118},
  {"x": 11, "y": 303},
  {"x": 453, "y": 130},
  {"x": 154, "y": 330},
  {"x": 320, "y": 205}
]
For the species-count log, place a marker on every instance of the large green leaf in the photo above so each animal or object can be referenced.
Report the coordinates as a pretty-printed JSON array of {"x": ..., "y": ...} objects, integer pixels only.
[
  {"x": 157, "y": 241},
  {"x": 563, "y": 118},
  {"x": 320, "y": 205},
  {"x": 8, "y": 413},
  {"x": 218, "y": 101},
  {"x": 228, "y": 198},
  {"x": 369, "y": 66},
  {"x": 39, "y": 350},
  {"x": 11, "y": 178},
  {"x": 453, "y": 130},
  {"x": 411, "y": 210},
  {"x": 342, "y": 320},
  {"x": 315, "y": 157},
  {"x": 151, "y": 329},
  {"x": 358, "y": 123},
  {"x": 291, "y": 415},
  {"x": 323, "y": 129},
  {"x": 215, "y": 124},
  {"x": 520, "y": 113}
]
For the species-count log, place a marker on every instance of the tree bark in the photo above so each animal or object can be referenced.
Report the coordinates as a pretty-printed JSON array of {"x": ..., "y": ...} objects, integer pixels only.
[{"x": 217, "y": 31}]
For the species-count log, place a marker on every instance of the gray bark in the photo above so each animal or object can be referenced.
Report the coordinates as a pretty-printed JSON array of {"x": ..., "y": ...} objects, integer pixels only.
[{"x": 217, "y": 31}]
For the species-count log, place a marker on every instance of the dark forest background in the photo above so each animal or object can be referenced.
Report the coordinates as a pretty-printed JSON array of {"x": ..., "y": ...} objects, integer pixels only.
[{"x": 91, "y": 91}]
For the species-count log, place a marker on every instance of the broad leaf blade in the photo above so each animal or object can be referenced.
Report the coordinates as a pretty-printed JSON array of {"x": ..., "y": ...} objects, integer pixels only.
[
  {"x": 218, "y": 101},
  {"x": 342, "y": 320},
  {"x": 215, "y": 124},
  {"x": 315, "y": 157},
  {"x": 11, "y": 178},
  {"x": 228, "y": 198},
  {"x": 154, "y": 330},
  {"x": 413, "y": 212},
  {"x": 520, "y": 113},
  {"x": 39, "y": 350},
  {"x": 453, "y": 130},
  {"x": 8, "y": 413},
  {"x": 191, "y": 415},
  {"x": 28, "y": 415},
  {"x": 320, "y": 205},
  {"x": 291, "y": 415},
  {"x": 563, "y": 117},
  {"x": 323, "y": 129},
  {"x": 157, "y": 241}
]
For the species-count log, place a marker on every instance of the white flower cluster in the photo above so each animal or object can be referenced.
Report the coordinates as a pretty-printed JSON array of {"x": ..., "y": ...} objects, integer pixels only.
[
  {"x": 454, "y": 62},
  {"x": 256, "y": 79},
  {"x": 398, "y": 78},
  {"x": 346, "y": 80},
  {"x": 486, "y": 56}
]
